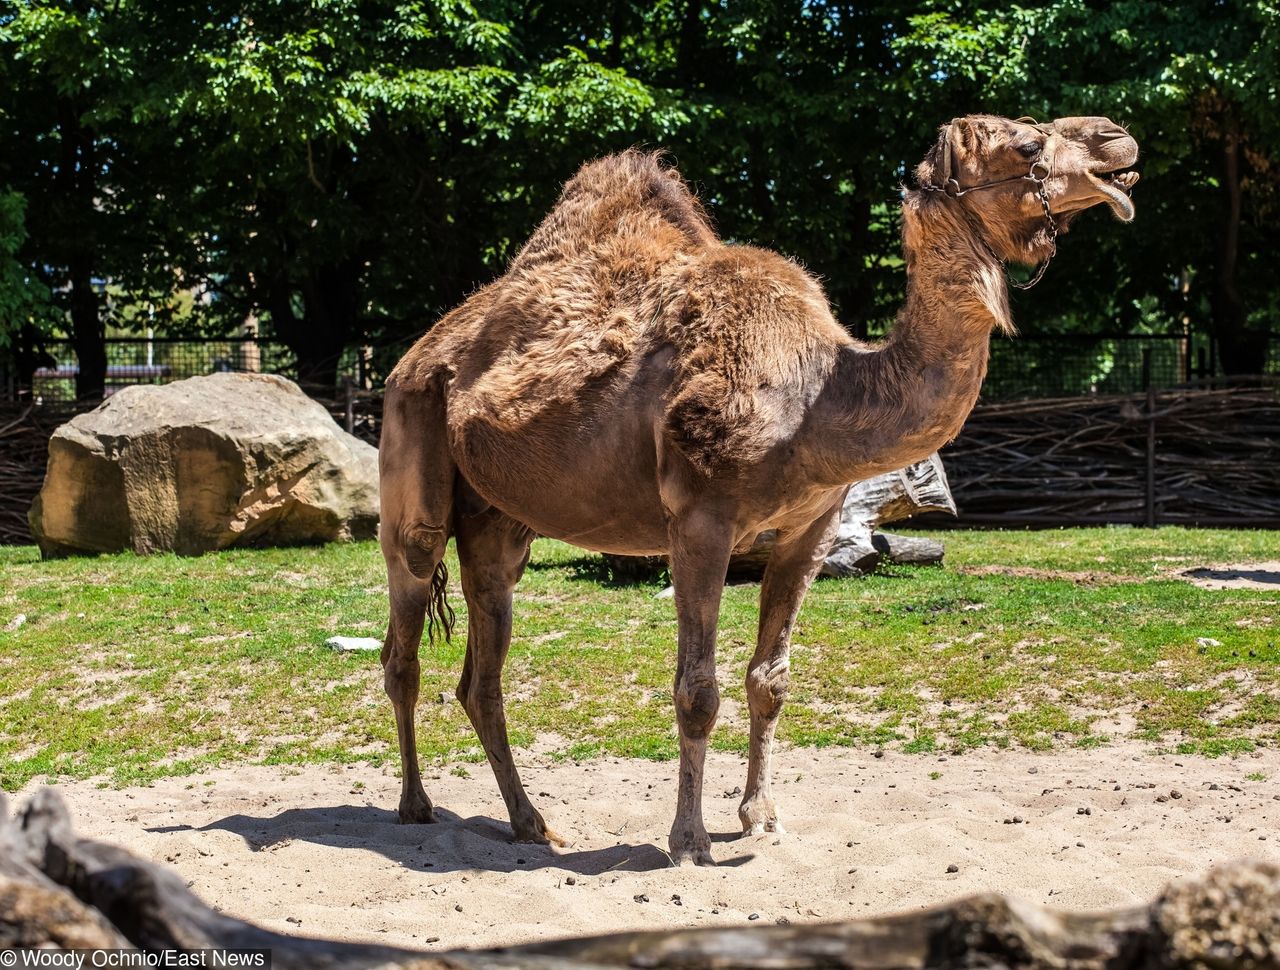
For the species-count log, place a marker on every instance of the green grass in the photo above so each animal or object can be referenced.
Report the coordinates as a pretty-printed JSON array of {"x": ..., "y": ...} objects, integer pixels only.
[{"x": 133, "y": 668}]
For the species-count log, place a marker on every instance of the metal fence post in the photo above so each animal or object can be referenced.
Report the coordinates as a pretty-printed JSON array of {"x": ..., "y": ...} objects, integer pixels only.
[
  {"x": 349, "y": 386},
  {"x": 1151, "y": 438}
]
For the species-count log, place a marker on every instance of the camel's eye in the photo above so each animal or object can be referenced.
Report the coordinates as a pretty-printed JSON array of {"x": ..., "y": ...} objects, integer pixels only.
[{"x": 1030, "y": 149}]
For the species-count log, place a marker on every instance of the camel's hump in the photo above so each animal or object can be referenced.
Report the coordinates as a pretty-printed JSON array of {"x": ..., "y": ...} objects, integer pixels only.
[{"x": 632, "y": 193}]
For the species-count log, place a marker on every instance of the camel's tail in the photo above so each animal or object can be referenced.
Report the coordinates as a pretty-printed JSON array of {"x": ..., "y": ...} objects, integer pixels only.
[{"x": 439, "y": 612}]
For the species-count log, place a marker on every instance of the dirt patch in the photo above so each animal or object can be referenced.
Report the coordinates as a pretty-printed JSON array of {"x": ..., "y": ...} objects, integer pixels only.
[
  {"x": 1248, "y": 575},
  {"x": 1089, "y": 577}
]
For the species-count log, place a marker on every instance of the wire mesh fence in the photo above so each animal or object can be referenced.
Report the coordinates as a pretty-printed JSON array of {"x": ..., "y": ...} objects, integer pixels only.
[
  {"x": 1029, "y": 366},
  {"x": 1090, "y": 364},
  {"x": 158, "y": 360}
]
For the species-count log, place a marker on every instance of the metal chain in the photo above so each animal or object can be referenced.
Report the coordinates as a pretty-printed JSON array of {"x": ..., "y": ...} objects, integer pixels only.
[{"x": 1043, "y": 196}]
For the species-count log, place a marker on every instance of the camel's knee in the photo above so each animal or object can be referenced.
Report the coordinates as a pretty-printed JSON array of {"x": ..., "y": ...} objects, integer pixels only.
[
  {"x": 401, "y": 677},
  {"x": 482, "y": 701},
  {"x": 419, "y": 580},
  {"x": 697, "y": 703},
  {"x": 424, "y": 545},
  {"x": 767, "y": 686}
]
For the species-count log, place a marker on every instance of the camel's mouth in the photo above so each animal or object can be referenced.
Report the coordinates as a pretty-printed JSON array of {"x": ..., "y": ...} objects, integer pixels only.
[{"x": 1115, "y": 188}]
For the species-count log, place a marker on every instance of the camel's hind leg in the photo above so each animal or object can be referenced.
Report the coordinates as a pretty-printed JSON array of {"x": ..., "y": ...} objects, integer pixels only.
[
  {"x": 493, "y": 550},
  {"x": 701, "y": 541},
  {"x": 417, "y": 510},
  {"x": 794, "y": 563}
]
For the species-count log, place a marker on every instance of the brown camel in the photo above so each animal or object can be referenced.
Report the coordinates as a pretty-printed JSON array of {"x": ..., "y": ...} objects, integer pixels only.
[{"x": 635, "y": 385}]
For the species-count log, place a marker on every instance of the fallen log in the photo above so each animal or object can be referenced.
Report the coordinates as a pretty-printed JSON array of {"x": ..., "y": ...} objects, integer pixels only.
[
  {"x": 58, "y": 890},
  {"x": 857, "y": 548}
]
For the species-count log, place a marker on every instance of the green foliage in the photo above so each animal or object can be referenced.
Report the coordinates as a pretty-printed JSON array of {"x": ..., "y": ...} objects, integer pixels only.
[
  {"x": 347, "y": 171},
  {"x": 24, "y": 300}
]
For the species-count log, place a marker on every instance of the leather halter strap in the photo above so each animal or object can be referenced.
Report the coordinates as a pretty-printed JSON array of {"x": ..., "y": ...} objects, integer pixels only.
[
  {"x": 950, "y": 186},
  {"x": 1038, "y": 173}
]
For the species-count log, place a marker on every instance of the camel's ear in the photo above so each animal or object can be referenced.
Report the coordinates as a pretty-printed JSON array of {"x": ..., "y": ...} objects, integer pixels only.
[
  {"x": 964, "y": 141},
  {"x": 938, "y": 166},
  {"x": 956, "y": 141}
]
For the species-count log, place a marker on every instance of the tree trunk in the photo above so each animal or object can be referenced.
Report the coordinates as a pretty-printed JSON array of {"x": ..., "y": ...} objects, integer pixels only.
[
  {"x": 88, "y": 335},
  {"x": 618, "y": 15},
  {"x": 327, "y": 325},
  {"x": 1241, "y": 350},
  {"x": 857, "y": 296},
  {"x": 78, "y": 197},
  {"x": 690, "y": 42},
  {"x": 761, "y": 175}
]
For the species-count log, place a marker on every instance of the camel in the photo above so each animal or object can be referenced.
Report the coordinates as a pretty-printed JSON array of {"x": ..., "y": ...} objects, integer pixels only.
[{"x": 635, "y": 385}]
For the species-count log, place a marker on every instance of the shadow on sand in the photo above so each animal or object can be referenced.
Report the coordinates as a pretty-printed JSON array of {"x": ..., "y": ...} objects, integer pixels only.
[
  {"x": 451, "y": 844},
  {"x": 1260, "y": 577}
]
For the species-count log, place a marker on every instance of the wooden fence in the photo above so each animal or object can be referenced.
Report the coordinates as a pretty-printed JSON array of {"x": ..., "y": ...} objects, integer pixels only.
[
  {"x": 1200, "y": 455},
  {"x": 1204, "y": 455}
]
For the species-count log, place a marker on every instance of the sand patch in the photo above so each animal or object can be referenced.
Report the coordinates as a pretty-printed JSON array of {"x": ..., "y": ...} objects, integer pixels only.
[
  {"x": 317, "y": 850},
  {"x": 1253, "y": 575}
]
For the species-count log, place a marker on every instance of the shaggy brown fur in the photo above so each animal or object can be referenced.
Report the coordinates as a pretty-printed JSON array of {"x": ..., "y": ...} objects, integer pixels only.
[{"x": 634, "y": 385}]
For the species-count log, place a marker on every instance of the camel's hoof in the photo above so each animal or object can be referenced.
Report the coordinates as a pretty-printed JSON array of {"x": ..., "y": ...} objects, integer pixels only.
[
  {"x": 699, "y": 856},
  {"x": 758, "y": 819},
  {"x": 544, "y": 837},
  {"x": 417, "y": 813},
  {"x": 536, "y": 832},
  {"x": 691, "y": 849}
]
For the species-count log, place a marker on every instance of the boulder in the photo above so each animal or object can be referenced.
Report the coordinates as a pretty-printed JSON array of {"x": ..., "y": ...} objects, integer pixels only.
[{"x": 202, "y": 464}]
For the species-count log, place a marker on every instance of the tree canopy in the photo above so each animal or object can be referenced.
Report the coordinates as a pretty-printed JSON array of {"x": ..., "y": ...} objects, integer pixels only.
[{"x": 344, "y": 171}]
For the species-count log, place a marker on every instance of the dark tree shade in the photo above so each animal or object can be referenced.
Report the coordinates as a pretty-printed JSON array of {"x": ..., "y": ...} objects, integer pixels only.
[{"x": 346, "y": 172}]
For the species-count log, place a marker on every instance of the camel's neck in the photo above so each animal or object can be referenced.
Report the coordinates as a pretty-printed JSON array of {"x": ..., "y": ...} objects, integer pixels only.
[{"x": 888, "y": 406}]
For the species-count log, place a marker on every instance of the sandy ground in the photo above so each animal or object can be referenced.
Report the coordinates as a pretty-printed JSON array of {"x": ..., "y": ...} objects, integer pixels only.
[
  {"x": 318, "y": 850},
  {"x": 1252, "y": 575}
]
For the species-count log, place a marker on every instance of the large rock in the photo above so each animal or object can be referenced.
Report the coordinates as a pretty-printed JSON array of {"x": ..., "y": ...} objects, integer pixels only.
[{"x": 203, "y": 464}]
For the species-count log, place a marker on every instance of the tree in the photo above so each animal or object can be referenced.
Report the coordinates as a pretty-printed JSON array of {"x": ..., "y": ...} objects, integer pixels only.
[
  {"x": 348, "y": 171},
  {"x": 351, "y": 163},
  {"x": 55, "y": 161},
  {"x": 26, "y": 310},
  {"x": 1196, "y": 83},
  {"x": 71, "y": 89}
]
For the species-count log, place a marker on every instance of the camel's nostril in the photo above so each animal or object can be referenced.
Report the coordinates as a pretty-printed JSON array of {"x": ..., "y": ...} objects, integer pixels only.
[{"x": 1111, "y": 134}]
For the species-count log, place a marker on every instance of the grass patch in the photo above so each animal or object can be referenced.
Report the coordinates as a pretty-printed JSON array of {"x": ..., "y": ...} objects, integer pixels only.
[{"x": 136, "y": 668}]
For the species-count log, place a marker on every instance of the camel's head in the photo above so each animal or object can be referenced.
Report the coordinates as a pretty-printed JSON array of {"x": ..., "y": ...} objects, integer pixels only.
[{"x": 1003, "y": 171}]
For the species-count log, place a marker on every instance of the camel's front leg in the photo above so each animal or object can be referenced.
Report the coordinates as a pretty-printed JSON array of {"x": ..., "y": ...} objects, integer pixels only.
[
  {"x": 794, "y": 563},
  {"x": 700, "y": 546},
  {"x": 401, "y": 676}
]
